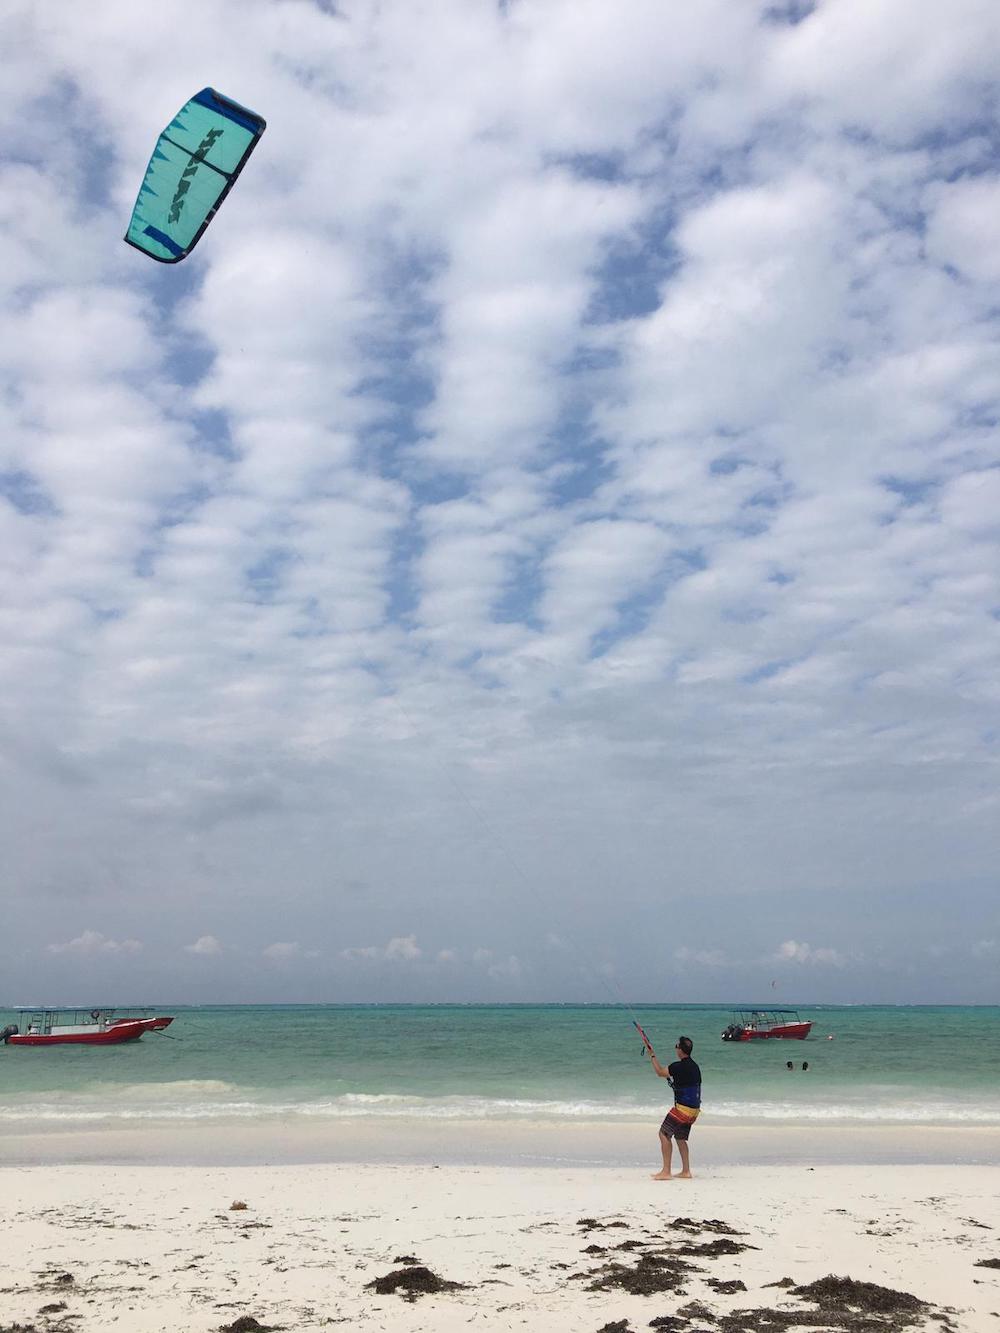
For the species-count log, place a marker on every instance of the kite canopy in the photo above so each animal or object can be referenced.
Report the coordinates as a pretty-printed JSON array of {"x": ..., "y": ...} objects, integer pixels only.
[{"x": 194, "y": 165}]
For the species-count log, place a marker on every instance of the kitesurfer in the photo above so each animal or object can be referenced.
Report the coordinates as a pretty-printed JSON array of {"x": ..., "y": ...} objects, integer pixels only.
[{"x": 684, "y": 1077}]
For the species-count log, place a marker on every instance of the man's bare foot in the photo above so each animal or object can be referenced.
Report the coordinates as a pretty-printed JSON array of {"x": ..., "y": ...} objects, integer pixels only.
[
  {"x": 662, "y": 1175},
  {"x": 684, "y": 1175}
]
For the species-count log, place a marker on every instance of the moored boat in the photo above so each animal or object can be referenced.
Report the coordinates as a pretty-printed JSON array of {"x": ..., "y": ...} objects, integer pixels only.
[
  {"x": 756, "y": 1024},
  {"x": 81, "y": 1027}
]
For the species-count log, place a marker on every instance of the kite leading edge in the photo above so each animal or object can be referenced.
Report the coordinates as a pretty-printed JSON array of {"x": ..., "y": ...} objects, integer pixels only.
[{"x": 195, "y": 164}]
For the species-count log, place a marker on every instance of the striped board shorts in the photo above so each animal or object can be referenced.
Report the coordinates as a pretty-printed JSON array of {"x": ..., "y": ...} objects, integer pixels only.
[{"x": 678, "y": 1121}]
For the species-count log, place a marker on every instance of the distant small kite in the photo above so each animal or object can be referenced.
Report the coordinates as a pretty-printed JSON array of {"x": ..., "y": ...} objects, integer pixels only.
[{"x": 194, "y": 165}]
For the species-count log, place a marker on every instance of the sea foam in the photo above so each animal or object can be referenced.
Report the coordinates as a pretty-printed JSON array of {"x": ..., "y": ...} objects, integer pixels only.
[{"x": 210, "y": 1100}]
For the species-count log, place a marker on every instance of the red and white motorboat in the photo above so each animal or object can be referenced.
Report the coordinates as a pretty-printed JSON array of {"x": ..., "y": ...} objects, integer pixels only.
[
  {"x": 81, "y": 1027},
  {"x": 757, "y": 1024}
]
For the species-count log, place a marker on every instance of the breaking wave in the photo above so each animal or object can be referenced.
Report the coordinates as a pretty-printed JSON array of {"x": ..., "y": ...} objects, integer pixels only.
[{"x": 212, "y": 1100}]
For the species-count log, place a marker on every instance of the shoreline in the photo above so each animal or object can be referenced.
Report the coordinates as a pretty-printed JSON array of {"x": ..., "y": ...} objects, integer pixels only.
[{"x": 415, "y": 1142}]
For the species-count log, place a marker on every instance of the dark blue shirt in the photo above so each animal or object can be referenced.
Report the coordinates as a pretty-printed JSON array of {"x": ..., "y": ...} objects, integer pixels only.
[{"x": 686, "y": 1078}]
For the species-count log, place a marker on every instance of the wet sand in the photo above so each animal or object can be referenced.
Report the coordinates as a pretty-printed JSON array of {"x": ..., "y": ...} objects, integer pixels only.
[{"x": 414, "y": 1141}]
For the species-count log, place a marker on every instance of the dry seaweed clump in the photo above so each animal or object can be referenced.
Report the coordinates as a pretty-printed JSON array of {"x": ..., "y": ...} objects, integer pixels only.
[
  {"x": 652, "y": 1273},
  {"x": 712, "y": 1249},
  {"x": 706, "y": 1224},
  {"x": 696, "y": 1310},
  {"x": 412, "y": 1282},
  {"x": 836, "y": 1293},
  {"x": 248, "y": 1324},
  {"x": 840, "y": 1303},
  {"x": 729, "y": 1288}
]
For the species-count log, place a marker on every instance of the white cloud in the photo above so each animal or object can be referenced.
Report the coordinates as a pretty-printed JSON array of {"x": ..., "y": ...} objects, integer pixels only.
[
  {"x": 404, "y": 947},
  {"x": 282, "y": 951},
  {"x": 796, "y": 952},
  {"x": 364, "y": 951},
  {"x": 206, "y": 946},
  {"x": 401, "y": 948},
  {"x": 93, "y": 942},
  {"x": 593, "y": 570},
  {"x": 958, "y": 226},
  {"x": 870, "y": 68}
]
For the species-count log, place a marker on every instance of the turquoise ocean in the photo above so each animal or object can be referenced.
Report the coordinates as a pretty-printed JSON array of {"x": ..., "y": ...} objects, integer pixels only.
[{"x": 897, "y": 1065}]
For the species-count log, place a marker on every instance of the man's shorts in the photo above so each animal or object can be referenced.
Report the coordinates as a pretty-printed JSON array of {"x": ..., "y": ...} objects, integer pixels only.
[{"x": 678, "y": 1121}]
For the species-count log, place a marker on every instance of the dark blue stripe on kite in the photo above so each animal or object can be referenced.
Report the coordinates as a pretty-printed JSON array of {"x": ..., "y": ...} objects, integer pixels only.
[
  {"x": 248, "y": 119},
  {"x": 166, "y": 241}
]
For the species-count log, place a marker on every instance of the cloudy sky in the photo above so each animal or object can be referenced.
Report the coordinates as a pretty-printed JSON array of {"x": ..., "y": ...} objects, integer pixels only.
[{"x": 542, "y": 544}]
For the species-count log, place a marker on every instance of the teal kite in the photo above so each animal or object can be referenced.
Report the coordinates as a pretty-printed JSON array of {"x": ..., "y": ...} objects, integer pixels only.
[{"x": 194, "y": 165}]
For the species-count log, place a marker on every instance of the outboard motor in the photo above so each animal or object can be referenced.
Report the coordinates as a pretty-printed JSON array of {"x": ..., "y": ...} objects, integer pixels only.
[
  {"x": 732, "y": 1033},
  {"x": 10, "y": 1031}
]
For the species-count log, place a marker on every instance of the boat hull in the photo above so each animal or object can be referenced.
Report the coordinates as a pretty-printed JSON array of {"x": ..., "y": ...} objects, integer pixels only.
[
  {"x": 789, "y": 1032},
  {"x": 126, "y": 1029},
  {"x": 109, "y": 1037}
]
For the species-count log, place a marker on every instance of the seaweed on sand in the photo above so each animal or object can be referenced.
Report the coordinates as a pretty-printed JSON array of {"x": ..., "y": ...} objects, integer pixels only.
[
  {"x": 248, "y": 1324},
  {"x": 706, "y": 1224},
  {"x": 712, "y": 1249},
  {"x": 840, "y": 1303},
  {"x": 413, "y": 1282},
  {"x": 696, "y": 1310},
  {"x": 651, "y": 1273},
  {"x": 834, "y": 1293}
]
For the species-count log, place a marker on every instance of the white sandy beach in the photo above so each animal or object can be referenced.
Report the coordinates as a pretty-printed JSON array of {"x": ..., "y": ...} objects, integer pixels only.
[{"x": 93, "y": 1247}]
